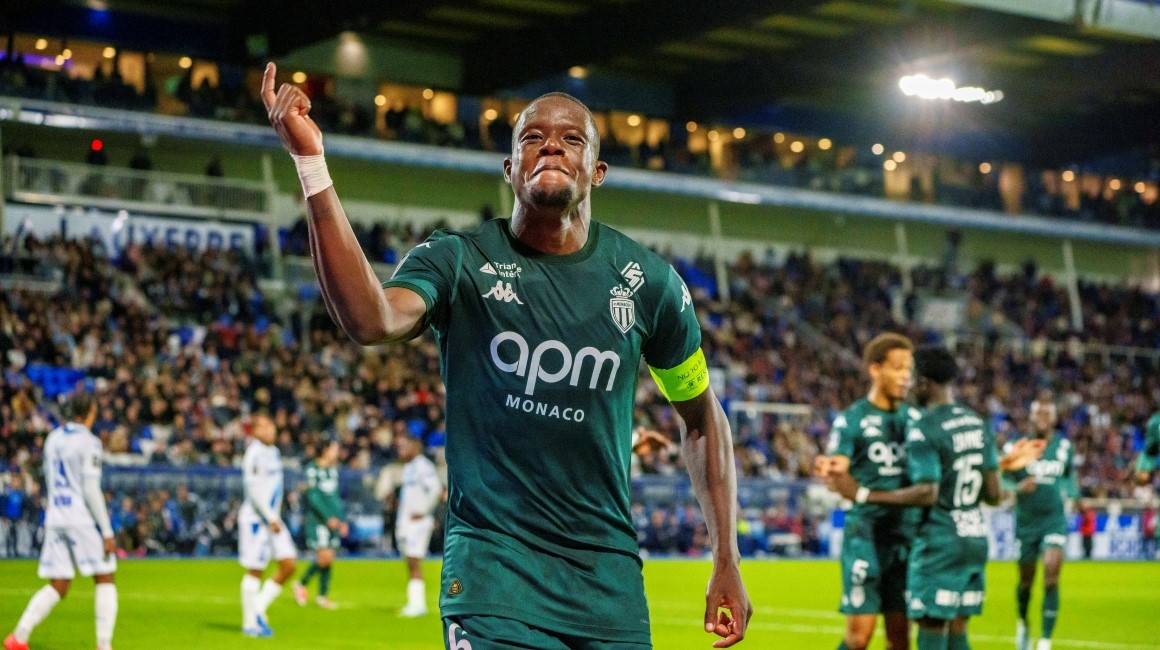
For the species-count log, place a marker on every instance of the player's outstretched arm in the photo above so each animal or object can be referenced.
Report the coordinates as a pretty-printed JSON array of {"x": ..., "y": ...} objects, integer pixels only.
[
  {"x": 354, "y": 297},
  {"x": 708, "y": 450},
  {"x": 920, "y": 494}
]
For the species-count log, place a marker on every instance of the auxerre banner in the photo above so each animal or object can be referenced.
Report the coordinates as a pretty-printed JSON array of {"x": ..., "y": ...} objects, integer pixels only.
[{"x": 117, "y": 229}]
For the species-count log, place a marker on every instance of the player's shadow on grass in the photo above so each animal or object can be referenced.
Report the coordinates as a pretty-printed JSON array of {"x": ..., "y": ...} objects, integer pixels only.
[{"x": 221, "y": 626}]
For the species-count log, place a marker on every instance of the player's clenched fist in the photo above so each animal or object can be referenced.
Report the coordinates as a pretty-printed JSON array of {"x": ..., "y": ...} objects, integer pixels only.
[{"x": 289, "y": 112}]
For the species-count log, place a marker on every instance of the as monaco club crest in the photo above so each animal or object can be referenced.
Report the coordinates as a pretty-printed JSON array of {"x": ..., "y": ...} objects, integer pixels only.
[{"x": 623, "y": 308}]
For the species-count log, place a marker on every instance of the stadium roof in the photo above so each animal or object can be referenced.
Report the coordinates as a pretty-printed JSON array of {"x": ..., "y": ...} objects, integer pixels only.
[{"x": 1071, "y": 92}]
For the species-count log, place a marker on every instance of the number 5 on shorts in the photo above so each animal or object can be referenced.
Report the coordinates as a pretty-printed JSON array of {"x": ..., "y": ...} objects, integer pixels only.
[{"x": 452, "y": 644}]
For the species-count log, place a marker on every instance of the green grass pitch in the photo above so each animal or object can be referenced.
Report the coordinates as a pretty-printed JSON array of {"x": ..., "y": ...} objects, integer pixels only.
[{"x": 194, "y": 604}]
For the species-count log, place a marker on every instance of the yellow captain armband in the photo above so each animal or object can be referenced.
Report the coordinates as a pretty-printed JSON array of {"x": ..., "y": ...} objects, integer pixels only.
[{"x": 684, "y": 382}]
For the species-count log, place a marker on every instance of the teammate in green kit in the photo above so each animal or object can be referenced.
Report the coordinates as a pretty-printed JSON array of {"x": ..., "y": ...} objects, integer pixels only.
[
  {"x": 541, "y": 321},
  {"x": 1149, "y": 456},
  {"x": 866, "y": 442},
  {"x": 325, "y": 523},
  {"x": 952, "y": 463},
  {"x": 1040, "y": 514}
]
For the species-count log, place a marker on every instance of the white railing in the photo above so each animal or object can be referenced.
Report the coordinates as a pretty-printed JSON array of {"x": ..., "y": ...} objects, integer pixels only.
[{"x": 49, "y": 182}]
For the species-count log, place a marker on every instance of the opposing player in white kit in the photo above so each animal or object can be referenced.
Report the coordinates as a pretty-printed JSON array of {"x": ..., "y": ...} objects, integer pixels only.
[
  {"x": 261, "y": 533},
  {"x": 78, "y": 535},
  {"x": 421, "y": 492}
]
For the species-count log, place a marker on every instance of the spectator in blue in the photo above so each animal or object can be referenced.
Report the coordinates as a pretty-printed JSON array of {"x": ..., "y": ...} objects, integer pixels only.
[{"x": 14, "y": 497}]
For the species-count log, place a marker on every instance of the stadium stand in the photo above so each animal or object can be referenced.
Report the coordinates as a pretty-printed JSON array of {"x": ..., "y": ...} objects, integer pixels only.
[{"x": 180, "y": 346}]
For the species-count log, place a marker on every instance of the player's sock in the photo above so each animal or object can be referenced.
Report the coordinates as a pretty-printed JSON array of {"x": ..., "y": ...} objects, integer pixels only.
[
  {"x": 39, "y": 607},
  {"x": 931, "y": 640},
  {"x": 416, "y": 594},
  {"x": 958, "y": 642},
  {"x": 250, "y": 586},
  {"x": 1023, "y": 596},
  {"x": 105, "y": 606},
  {"x": 270, "y": 591},
  {"x": 306, "y": 577},
  {"x": 1050, "y": 610},
  {"x": 323, "y": 581}
]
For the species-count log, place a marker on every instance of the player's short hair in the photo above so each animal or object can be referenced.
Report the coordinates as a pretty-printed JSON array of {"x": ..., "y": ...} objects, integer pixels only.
[
  {"x": 1046, "y": 398},
  {"x": 593, "y": 132},
  {"x": 79, "y": 404},
  {"x": 936, "y": 363},
  {"x": 880, "y": 346}
]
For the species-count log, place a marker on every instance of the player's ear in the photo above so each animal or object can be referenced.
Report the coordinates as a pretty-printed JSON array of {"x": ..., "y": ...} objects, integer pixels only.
[
  {"x": 598, "y": 172},
  {"x": 507, "y": 170}
]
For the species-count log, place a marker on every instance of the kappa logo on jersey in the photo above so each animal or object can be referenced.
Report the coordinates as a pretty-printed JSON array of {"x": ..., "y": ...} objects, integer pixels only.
[
  {"x": 623, "y": 308},
  {"x": 633, "y": 275},
  {"x": 686, "y": 299},
  {"x": 502, "y": 291}
]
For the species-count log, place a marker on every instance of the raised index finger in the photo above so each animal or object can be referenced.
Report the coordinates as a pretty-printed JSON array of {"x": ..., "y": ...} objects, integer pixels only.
[{"x": 268, "y": 85}]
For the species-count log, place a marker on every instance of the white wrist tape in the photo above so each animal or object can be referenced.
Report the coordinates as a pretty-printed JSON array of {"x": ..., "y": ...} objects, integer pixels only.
[
  {"x": 313, "y": 174},
  {"x": 862, "y": 494}
]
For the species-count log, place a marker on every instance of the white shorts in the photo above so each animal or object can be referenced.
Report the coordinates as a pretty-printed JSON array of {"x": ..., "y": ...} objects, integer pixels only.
[
  {"x": 257, "y": 545},
  {"x": 413, "y": 536},
  {"x": 68, "y": 550}
]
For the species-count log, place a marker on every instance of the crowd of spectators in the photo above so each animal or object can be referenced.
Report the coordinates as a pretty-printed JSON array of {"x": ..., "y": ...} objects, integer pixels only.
[
  {"x": 754, "y": 159},
  {"x": 181, "y": 346}
]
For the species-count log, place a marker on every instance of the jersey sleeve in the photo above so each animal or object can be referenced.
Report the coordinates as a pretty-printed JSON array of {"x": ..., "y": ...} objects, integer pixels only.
[
  {"x": 1070, "y": 484},
  {"x": 673, "y": 349},
  {"x": 91, "y": 460},
  {"x": 990, "y": 449},
  {"x": 431, "y": 270},
  {"x": 842, "y": 436},
  {"x": 922, "y": 459}
]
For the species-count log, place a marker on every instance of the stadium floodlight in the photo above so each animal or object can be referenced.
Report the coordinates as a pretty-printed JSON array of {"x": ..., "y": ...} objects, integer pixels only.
[{"x": 924, "y": 87}]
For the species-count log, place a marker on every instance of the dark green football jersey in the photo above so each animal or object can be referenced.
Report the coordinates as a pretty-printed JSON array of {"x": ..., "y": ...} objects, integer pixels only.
[
  {"x": 539, "y": 355},
  {"x": 950, "y": 445},
  {"x": 1150, "y": 454},
  {"x": 323, "y": 501},
  {"x": 874, "y": 441},
  {"x": 1054, "y": 480}
]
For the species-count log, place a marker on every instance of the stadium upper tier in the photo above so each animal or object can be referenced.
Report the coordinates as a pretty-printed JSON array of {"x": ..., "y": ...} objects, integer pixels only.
[
  {"x": 179, "y": 346},
  {"x": 915, "y": 181}
]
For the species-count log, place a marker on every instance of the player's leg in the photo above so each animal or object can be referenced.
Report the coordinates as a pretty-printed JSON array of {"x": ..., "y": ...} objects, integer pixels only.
[
  {"x": 39, "y": 607},
  {"x": 493, "y": 633},
  {"x": 932, "y": 634},
  {"x": 861, "y": 597},
  {"x": 281, "y": 546},
  {"x": 301, "y": 594},
  {"x": 324, "y": 561},
  {"x": 413, "y": 539},
  {"x": 88, "y": 550},
  {"x": 958, "y": 635},
  {"x": 253, "y": 555},
  {"x": 316, "y": 536},
  {"x": 105, "y": 607},
  {"x": 897, "y": 627},
  {"x": 1028, "y": 561},
  {"x": 1052, "y": 563},
  {"x": 892, "y": 593},
  {"x": 56, "y": 566},
  {"x": 859, "y": 631}
]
